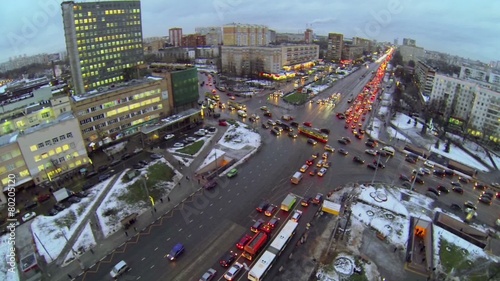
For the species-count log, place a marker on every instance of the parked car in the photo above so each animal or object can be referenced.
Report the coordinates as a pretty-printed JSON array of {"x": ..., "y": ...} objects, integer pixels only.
[
  {"x": 455, "y": 207},
  {"x": 443, "y": 188},
  {"x": 458, "y": 189},
  {"x": 59, "y": 207},
  {"x": 30, "y": 205},
  {"x": 156, "y": 156},
  {"x": 74, "y": 199},
  {"x": 28, "y": 216},
  {"x": 81, "y": 194},
  {"x": 329, "y": 148},
  {"x": 312, "y": 141},
  {"x": 433, "y": 190},
  {"x": 371, "y": 152},
  {"x": 169, "y": 136},
  {"x": 43, "y": 197},
  {"x": 371, "y": 166},
  {"x": 210, "y": 185},
  {"x": 456, "y": 183}
]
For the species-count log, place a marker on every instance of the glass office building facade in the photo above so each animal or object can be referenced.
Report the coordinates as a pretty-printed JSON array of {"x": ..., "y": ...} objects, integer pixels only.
[{"x": 103, "y": 41}]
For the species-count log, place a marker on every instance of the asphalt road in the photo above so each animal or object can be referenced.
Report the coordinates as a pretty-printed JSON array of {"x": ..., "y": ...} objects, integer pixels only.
[{"x": 210, "y": 223}]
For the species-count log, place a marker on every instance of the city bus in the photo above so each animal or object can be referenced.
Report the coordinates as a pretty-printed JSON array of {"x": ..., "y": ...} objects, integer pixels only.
[
  {"x": 237, "y": 105},
  {"x": 279, "y": 243},
  {"x": 313, "y": 133},
  {"x": 262, "y": 266}
]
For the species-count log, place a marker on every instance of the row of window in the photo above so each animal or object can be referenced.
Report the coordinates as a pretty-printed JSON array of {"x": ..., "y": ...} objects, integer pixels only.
[
  {"x": 9, "y": 155},
  {"x": 102, "y": 52},
  {"x": 55, "y": 162},
  {"x": 51, "y": 142},
  {"x": 22, "y": 175},
  {"x": 54, "y": 152},
  {"x": 106, "y": 82},
  {"x": 121, "y": 101}
]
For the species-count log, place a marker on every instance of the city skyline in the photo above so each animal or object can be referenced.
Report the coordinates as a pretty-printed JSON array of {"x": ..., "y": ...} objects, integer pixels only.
[{"x": 40, "y": 28}]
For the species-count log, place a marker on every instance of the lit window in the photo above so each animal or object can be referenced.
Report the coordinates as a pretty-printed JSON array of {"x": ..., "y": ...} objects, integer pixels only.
[{"x": 33, "y": 148}]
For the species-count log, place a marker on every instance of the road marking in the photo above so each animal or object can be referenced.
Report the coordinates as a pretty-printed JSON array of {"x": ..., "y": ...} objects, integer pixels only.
[
  {"x": 190, "y": 221},
  {"x": 189, "y": 235},
  {"x": 201, "y": 225},
  {"x": 168, "y": 239},
  {"x": 201, "y": 213},
  {"x": 220, "y": 209},
  {"x": 143, "y": 259},
  {"x": 180, "y": 229},
  {"x": 211, "y": 204},
  {"x": 138, "y": 278},
  {"x": 229, "y": 201},
  {"x": 156, "y": 248},
  {"x": 210, "y": 218},
  {"x": 220, "y": 197},
  {"x": 152, "y": 266},
  {"x": 238, "y": 194}
]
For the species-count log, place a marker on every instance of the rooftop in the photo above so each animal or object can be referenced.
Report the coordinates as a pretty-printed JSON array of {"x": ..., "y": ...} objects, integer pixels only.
[
  {"x": 12, "y": 137},
  {"x": 169, "y": 120},
  {"x": 113, "y": 88}
]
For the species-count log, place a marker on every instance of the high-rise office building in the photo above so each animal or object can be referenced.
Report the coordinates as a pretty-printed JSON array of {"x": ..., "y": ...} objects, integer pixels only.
[
  {"x": 335, "y": 44},
  {"x": 175, "y": 36},
  {"x": 103, "y": 40}
]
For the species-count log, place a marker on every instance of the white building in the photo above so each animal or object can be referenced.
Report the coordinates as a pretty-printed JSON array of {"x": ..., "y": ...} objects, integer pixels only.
[{"x": 470, "y": 104}]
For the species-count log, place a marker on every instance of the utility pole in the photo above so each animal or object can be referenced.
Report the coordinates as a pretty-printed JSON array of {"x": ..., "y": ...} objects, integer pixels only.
[{"x": 73, "y": 250}]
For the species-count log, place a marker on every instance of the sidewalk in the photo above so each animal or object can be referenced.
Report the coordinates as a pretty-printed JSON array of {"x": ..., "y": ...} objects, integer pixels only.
[{"x": 106, "y": 246}]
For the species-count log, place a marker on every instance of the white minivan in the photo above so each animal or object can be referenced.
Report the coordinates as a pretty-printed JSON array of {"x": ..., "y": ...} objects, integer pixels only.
[
  {"x": 120, "y": 268},
  {"x": 389, "y": 150}
]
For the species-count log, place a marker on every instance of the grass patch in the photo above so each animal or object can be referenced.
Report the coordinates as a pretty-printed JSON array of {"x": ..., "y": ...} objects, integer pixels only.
[
  {"x": 193, "y": 148},
  {"x": 66, "y": 221},
  {"x": 158, "y": 175},
  {"x": 296, "y": 98},
  {"x": 358, "y": 277}
]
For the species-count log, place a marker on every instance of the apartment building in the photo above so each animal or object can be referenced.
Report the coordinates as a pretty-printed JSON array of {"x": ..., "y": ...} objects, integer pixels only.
[
  {"x": 411, "y": 53},
  {"x": 120, "y": 111},
  {"x": 213, "y": 35},
  {"x": 244, "y": 61},
  {"x": 13, "y": 168},
  {"x": 424, "y": 75},
  {"x": 335, "y": 45},
  {"x": 469, "y": 104},
  {"x": 103, "y": 39},
  {"x": 193, "y": 40},
  {"x": 237, "y": 34},
  {"x": 175, "y": 36}
]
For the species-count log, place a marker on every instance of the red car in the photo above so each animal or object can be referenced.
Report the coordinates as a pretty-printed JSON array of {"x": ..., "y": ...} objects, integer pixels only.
[
  {"x": 43, "y": 197},
  {"x": 308, "y": 124},
  {"x": 222, "y": 122},
  {"x": 243, "y": 241}
]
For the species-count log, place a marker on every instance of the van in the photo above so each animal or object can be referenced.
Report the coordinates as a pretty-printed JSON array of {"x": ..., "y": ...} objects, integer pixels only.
[
  {"x": 297, "y": 177},
  {"x": 389, "y": 150},
  {"x": 120, "y": 268}
]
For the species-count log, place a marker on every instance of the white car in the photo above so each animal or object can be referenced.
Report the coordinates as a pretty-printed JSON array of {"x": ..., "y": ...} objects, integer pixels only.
[
  {"x": 322, "y": 172},
  {"x": 178, "y": 144},
  {"x": 296, "y": 216},
  {"x": 371, "y": 152},
  {"x": 28, "y": 216},
  {"x": 169, "y": 136},
  {"x": 209, "y": 275},
  {"x": 425, "y": 171},
  {"x": 271, "y": 122},
  {"x": 201, "y": 132},
  {"x": 429, "y": 164},
  {"x": 233, "y": 271}
]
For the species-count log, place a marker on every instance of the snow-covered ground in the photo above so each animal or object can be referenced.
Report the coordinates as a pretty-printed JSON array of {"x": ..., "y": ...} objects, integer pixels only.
[
  {"x": 7, "y": 273},
  {"x": 456, "y": 153},
  {"x": 111, "y": 224},
  {"x": 239, "y": 137},
  {"x": 85, "y": 242},
  {"x": 52, "y": 230},
  {"x": 316, "y": 89}
]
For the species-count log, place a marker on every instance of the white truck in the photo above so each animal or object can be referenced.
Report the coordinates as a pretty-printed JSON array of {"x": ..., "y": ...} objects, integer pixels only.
[
  {"x": 297, "y": 177},
  {"x": 62, "y": 194}
]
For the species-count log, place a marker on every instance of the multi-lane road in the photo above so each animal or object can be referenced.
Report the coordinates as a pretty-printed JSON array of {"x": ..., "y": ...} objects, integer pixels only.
[{"x": 210, "y": 223}]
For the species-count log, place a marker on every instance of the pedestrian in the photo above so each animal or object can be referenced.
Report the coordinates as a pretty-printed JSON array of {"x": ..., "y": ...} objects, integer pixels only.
[
  {"x": 161, "y": 200},
  {"x": 187, "y": 178},
  {"x": 395, "y": 249},
  {"x": 168, "y": 198},
  {"x": 70, "y": 277},
  {"x": 91, "y": 251},
  {"x": 135, "y": 229},
  {"x": 198, "y": 181},
  {"x": 179, "y": 183},
  {"x": 126, "y": 234}
]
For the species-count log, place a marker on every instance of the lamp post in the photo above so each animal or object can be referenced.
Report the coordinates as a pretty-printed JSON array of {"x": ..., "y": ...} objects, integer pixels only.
[
  {"x": 144, "y": 181},
  {"x": 376, "y": 169}
]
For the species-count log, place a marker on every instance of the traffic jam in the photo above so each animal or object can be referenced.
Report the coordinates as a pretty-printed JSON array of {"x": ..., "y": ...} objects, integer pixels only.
[{"x": 355, "y": 115}]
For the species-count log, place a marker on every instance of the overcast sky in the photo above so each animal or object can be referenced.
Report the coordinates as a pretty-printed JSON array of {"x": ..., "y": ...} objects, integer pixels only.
[{"x": 465, "y": 28}]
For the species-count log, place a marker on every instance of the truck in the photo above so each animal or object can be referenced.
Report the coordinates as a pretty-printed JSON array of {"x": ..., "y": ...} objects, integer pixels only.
[
  {"x": 62, "y": 194},
  {"x": 254, "y": 246},
  {"x": 296, "y": 177},
  {"x": 288, "y": 202},
  {"x": 330, "y": 207}
]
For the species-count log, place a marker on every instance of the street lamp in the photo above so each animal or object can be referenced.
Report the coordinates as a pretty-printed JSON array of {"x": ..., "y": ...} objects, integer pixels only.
[
  {"x": 144, "y": 181},
  {"x": 376, "y": 169}
]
